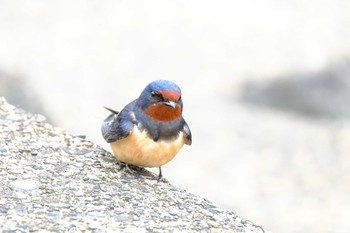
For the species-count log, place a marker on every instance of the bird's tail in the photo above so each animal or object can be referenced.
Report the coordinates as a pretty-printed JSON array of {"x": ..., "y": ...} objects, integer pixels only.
[
  {"x": 112, "y": 110},
  {"x": 107, "y": 122}
]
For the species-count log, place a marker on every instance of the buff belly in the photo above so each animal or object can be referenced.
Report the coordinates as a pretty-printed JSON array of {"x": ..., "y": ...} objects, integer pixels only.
[{"x": 140, "y": 150}]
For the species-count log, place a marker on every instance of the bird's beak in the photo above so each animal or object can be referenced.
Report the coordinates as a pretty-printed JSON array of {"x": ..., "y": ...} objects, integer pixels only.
[{"x": 170, "y": 103}]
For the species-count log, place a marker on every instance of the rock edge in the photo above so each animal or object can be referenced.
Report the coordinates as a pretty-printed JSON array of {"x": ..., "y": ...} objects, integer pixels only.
[{"x": 54, "y": 181}]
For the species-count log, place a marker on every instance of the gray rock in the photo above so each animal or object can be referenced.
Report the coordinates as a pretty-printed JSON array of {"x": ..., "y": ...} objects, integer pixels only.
[
  {"x": 23, "y": 184},
  {"x": 66, "y": 193}
]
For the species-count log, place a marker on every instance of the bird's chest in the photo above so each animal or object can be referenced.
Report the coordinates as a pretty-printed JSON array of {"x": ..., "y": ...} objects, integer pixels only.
[{"x": 141, "y": 150}]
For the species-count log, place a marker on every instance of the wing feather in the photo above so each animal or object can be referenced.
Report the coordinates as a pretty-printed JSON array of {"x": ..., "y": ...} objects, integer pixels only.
[{"x": 117, "y": 125}]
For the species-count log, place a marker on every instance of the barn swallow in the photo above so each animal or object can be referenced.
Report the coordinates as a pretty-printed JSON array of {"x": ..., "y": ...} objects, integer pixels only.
[{"x": 150, "y": 130}]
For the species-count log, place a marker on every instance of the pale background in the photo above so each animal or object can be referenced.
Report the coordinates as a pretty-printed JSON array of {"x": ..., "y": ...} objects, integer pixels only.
[{"x": 265, "y": 87}]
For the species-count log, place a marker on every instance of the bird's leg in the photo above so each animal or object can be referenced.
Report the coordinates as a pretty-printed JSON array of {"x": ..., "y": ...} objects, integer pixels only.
[
  {"x": 160, "y": 176},
  {"x": 126, "y": 167}
]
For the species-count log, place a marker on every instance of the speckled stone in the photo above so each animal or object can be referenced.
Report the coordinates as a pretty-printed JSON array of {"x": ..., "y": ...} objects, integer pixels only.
[
  {"x": 53, "y": 181},
  {"x": 23, "y": 184}
]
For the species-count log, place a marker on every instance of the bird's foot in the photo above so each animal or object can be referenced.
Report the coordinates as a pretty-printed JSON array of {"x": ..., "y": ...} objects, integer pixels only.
[
  {"x": 125, "y": 166},
  {"x": 128, "y": 169},
  {"x": 161, "y": 177}
]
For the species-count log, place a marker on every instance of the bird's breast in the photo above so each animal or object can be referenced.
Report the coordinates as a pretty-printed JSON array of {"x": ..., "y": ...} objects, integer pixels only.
[{"x": 141, "y": 150}]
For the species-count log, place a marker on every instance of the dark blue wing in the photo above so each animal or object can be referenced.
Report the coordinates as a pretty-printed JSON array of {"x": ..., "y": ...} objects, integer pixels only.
[
  {"x": 118, "y": 125},
  {"x": 187, "y": 134}
]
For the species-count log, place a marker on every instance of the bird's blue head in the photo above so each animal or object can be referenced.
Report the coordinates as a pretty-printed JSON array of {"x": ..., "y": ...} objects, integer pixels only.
[{"x": 161, "y": 100}]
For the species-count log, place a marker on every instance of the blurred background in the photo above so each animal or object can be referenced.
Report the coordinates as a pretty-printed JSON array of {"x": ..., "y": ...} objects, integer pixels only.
[{"x": 266, "y": 90}]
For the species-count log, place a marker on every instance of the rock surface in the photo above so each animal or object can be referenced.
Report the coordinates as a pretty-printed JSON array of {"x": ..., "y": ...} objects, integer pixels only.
[{"x": 52, "y": 180}]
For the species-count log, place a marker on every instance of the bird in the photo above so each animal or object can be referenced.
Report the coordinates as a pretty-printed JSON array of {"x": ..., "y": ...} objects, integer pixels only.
[{"x": 149, "y": 131}]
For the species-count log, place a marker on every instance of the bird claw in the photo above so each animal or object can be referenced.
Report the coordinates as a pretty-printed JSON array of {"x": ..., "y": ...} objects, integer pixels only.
[
  {"x": 161, "y": 177},
  {"x": 128, "y": 169},
  {"x": 125, "y": 166}
]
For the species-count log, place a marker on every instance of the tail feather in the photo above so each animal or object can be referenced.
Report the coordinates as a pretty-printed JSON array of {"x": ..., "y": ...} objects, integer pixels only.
[
  {"x": 106, "y": 125},
  {"x": 112, "y": 110}
]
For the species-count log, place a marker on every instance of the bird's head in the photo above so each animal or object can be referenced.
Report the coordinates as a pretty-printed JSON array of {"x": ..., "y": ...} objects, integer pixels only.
[{"x": 161, "y": 100}]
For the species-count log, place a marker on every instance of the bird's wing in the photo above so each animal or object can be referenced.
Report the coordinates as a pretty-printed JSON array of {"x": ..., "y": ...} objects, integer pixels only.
[
  {"x": 187, "y": 133},
  {"x": 118, "y": 125}
]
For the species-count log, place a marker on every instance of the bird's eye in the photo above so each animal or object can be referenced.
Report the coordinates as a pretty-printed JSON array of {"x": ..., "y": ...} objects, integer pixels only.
[{"x": 155, "y": 93}]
